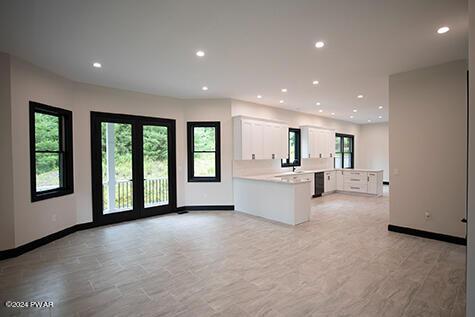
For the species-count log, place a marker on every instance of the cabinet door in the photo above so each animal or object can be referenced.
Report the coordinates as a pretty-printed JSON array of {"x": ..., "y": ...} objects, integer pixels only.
[
  {"x": 246, "y": 141},
  {"x": 268, "y": 142},
  {"x": 333, "y": 181},
  {"x": 312, "y": 140},
  {"x": 340, "y": 180},
  {"x": 283, "y": 141},
  {"x": 328, "y": 182},
  {"x": 372, "y": 183},
  {"x": 331, "y": 143},
  {"x": 322, "y": 144},
  {"x": 257, "y": 140}
]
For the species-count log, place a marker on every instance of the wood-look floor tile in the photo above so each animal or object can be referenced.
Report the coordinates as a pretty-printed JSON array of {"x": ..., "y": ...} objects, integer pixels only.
[{"x": 343, "y": 262}]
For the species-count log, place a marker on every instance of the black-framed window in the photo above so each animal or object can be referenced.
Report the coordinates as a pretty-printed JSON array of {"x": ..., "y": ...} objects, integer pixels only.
[
  {"x": 294, "y": 149},
  {"x": 51, "y": 151},
  {"x": 344, "y": 151},
  {"x": 204, "y": 151}
]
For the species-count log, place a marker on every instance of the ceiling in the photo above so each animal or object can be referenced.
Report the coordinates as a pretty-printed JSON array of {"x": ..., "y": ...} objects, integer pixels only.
[{"x": 252, "y": 47}]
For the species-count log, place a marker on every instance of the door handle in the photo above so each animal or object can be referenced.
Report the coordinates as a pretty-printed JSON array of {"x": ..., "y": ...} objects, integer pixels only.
[{"x": 464, "y": 220}]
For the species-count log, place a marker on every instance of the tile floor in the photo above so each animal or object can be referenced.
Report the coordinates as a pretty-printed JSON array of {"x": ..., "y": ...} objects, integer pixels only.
[{"x": 343, "y": 262}]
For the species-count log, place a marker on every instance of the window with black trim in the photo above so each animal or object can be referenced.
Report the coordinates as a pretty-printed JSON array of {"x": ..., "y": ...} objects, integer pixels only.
[
  {"x": 344, "y": 151},
  {"x": 204, "y": 152},
  {"x": 294, "y": 149},
  {"x": 51, "y": 151}
]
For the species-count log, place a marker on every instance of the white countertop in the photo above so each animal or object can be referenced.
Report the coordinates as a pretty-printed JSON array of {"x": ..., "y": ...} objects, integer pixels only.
[
  {"x": 277, "y": 178},
  {"x": 284, "y": 179}
]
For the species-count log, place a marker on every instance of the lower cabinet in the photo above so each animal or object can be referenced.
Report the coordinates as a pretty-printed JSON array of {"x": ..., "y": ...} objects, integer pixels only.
[
  {"x": 375, "y": 183},
  {"x": 330, "y": 182},
  {"x": 362, "y": 181},
  {"x": 340, "y": 180}
]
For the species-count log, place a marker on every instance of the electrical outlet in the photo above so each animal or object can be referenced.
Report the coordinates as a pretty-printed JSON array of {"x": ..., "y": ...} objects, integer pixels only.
[{"x": 427, "y": 215}]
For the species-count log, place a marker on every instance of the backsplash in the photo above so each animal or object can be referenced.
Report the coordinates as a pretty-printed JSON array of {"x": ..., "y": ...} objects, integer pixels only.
[{"x": 262, "y": 167}]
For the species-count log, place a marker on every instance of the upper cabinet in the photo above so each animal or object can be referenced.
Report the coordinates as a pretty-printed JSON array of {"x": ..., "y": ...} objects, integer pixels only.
[
  {"x": 317, "y": 142},
  {"x": 259, "y": 140}
]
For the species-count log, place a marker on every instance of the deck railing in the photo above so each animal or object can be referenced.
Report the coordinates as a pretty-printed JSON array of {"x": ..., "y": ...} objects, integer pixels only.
[{"x": 155, "y": 193}]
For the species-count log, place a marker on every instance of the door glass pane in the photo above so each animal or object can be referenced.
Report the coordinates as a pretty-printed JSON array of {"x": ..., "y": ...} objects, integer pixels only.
[
  {"x": 46, "y": 132},
  {"x": 155, "y": 164},
  {"x": 116, "y": 145},
  {"x": 347, "y": 160},
  {"x": 47, "y": 171},
  {"x": 204, "y": 138},
  {"x": 204, "y": 164}
]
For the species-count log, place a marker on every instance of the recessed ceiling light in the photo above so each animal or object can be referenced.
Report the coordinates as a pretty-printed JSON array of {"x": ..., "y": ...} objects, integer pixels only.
[
  {"x": 284, "y": 90},
  {"x": 315, "y": 82},
  {"x": 281, "y": 101},
  {"x": 200, "y": 53},
  {"x": 380, "y": 107},
  {"x": 97, "y": 65},
  {"x": 380, "y": 117},
  {"x": 333, "y": 113},
  {"x": 259, "y": 96},
  {"x": 443, "y": 29},
  {"x": 360, "y": 96},
  {"x": 318, "y": 103},
  {"x": 369, "y": 120},
  {"x": 319, "y": 44},
  {"x": 355, "y": 110},
  {"x": 320, "y": 110},
  {"x": 351, "y": 117},
  {"x": 204, "y": 88}
]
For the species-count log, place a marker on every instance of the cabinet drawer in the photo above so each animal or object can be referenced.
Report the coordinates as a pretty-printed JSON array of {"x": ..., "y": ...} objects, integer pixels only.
[
  {"x": 356, "y": 177},
  {"x": 356, "y": 188}
]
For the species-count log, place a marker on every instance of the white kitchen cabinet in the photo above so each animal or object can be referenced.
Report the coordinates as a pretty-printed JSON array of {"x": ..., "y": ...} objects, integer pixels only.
[
  {"x": 317, "y": 142},
  {"x": 259, "y": 140},
  {"x": 329, "y": 181},
  {"x": 340, "y": 180},
  {"x": 361, "y": 181},
  {"x": 375, "y": 183}
]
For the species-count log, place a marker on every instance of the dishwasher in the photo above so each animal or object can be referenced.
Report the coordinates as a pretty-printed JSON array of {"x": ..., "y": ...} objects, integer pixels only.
[{"x": 319, "y": 184}]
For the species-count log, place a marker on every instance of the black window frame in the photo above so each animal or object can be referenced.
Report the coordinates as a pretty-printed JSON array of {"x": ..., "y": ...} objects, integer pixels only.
[
  {"x": 298, "y": 149},
  {"x": 191, "y": 125},
  {"x": 65, "y": 150},
  {"x": 342, "y": 136}
]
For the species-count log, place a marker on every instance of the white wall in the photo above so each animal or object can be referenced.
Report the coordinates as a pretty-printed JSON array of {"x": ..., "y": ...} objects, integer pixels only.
[
  {"x": 295, "y": 120},
  {"x": 374, "y": 147},
  {"x": 7, "y": 230},
  {"x": 35, "y": 220},
  {"x": 212, "y": 193},
  {"x": 427, "y": 148},
  {"x": 32, "y": 221},
  {"x": 471, "y": 180},
  {"x": 89, "y": 98}
]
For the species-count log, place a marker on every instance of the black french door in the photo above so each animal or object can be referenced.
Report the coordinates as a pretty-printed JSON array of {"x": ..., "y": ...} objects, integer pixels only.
[{"x": 133, "y": 166}]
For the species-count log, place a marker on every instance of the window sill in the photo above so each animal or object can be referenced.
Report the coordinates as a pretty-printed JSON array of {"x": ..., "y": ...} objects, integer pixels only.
[
  {"x": 50, "y": 194},
  {"x": 204, "y": 180}
]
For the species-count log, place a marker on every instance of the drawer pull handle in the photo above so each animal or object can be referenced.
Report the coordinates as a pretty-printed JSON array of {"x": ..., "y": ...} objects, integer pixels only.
[
  {"x": 355, "y": 179},
  {"x": 354, "y": 187}
]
